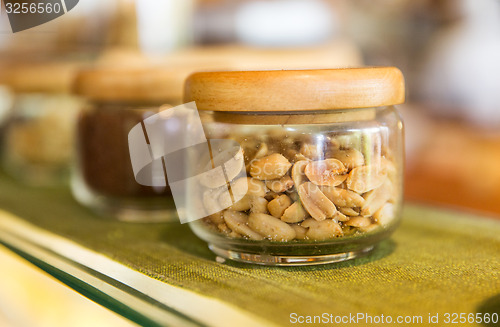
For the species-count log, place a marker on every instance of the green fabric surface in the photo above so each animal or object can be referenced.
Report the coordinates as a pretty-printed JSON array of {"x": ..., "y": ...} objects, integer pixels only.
[{"x": 436, "y": 262}]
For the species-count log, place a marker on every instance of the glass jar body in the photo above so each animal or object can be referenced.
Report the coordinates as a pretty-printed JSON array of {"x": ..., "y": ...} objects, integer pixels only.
[
  {"x": 103, "y": 178},
  {"x": 323, "y": 186},
  {"x": 38, "y": 138}
]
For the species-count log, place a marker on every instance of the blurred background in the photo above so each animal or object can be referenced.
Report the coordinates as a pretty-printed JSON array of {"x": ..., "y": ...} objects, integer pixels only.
[{"x": 448, "y": 50}]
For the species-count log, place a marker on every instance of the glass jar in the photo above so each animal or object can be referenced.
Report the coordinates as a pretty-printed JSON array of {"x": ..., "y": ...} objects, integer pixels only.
[
  {"x": 37, "y": 146},
  {"x": 103, "y": 177},
  {"x": 322, "y": 163}
]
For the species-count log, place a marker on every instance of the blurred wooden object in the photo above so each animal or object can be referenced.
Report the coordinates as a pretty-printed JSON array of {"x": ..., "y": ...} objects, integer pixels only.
[{"x": 458, "y": 166}]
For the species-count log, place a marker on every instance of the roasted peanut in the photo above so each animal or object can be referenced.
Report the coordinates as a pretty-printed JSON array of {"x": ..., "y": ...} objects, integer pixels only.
[
  {"x": 329, "y": 172},
  {"x": 351, "y": 158},
  {"x": 365, "y": 178},
  {"x": 233, "y": 163},
  {"x": 248, "y": 186},
  {"x": 341, "y": 197},
  {"x": 271, "y": 195},
  {"x": 237, "y": 221},
  {"x": 278, "y": 206},
  {"x": 233, "y": 234},
  {"x": 339, "y": 216},
  {"x": 270, "y": 167},
  {"x": 300, "y": 232},
  {"x": 298, "y": 175},
  {"x": 299, "y": 157},
  {"x": 321, "y": 230},
  {"x": 211, "y": 200},
  {"x": 271, "y": 227},
  {"x": 358, "y": 222},
  {"x": 368, "y": 229},
  {"x": 262, "y": 151},
  {"x": 376, "y": 198},
  {"x": 315, "y": 202},
  {"x": 241, "y": 205},
  {"x": 294, "y": 213},
  {"x": 217, "y": 218},
  {"x": 384, "y": 215},
  {"x": 348, "y": 211},
  {"x": 223, "y": 228},
  {"x": 258, "y": 205},
  {"x": 312, "y": 151},
  {"x": 280, "y": 185}
]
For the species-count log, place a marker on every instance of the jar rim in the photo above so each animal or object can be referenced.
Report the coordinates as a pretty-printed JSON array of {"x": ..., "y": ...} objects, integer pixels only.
[
  {"x": 296, "y": 90},
  {"x": 291, "y": 117}
]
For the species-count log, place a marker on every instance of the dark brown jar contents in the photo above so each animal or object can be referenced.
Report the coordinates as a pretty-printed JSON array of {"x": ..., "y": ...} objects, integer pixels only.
[{"x": 103, "y": 151}]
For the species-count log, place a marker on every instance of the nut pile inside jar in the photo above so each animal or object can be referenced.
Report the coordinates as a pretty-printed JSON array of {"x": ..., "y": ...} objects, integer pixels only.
[{"x": 299, "y": 187}]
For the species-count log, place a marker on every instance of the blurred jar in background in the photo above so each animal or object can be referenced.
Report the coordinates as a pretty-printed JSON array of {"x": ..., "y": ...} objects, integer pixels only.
[
  {"x": 38, "y": 137},
  {"x": 86, "y": 29},
  {"x": 164, "y": 26},
  {"x": 460, "y": 72},
  {"x": 279, "y": 23},
  {"x": 119, "y": 98}
]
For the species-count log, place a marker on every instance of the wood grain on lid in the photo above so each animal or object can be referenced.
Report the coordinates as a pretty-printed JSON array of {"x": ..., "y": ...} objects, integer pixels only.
[{"x": 296, "y": 90}]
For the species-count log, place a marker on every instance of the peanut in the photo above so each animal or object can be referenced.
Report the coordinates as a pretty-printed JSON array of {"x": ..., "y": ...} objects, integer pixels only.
[
  {"x": 278, "y": 206},
  {"x": 300, "y": 232},
  {"x": 298, "y": 175},
  {"x": 294, "y": 213},
  {"x": 340, "y": 217},
  {"x": 315, "y": 202},
  {"x": 375, "y": 199},
  {"x": 365, "y": 178},
  {"x": 248, "y": 186},
  {"x": 312, "y": 151},
  {"x": 271, "y": 195},
  {"x": 271, "y": 227},
  {"x": 233, "y": 163},
  {"x": 258, "y": 205},
  {"x": 349, "y": 211},
  {"x": 384, "y": 215},
  {"x": 280, "y": 185},
  {"x": 270, "y": 167},
  {"x": 217, "y": 218},
  {"x": 351, "y": 158},
  {"x": 210, "y": 200},
  {"x": 262, "y": 151},
  {"x": 223, "y": 228},
  {"x": 241, "y": 205},
  {"x": 237, "y": 221},
  {"x": 326, "y": 172},
  {"x": 359, "y": 222},
  {"x": 321, "y": 230},
  {"x": 341, "y": 197}
]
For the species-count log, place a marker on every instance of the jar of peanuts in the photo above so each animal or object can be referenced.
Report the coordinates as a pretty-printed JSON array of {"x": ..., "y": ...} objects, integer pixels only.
[{"x": 317, "y": 175}]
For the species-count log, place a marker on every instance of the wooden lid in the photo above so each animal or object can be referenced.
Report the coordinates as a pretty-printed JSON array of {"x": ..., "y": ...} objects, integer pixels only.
[
  {"x": 296, "y": 90},
  {"x": 151, "y": 84},
  {"x": 48, "y": 77}
]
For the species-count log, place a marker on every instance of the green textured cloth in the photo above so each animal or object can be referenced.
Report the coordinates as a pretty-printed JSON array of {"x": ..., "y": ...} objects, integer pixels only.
[{"x": 437, "y": 262}]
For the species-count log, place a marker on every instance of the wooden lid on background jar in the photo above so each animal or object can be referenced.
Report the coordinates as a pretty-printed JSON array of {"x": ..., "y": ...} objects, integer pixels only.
[
  {"x": 146, "y": 84},
  {"x": 151, "y": 83},
  {"x": 295, "y": 90},
  {"x": 40, "y": 77}
]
